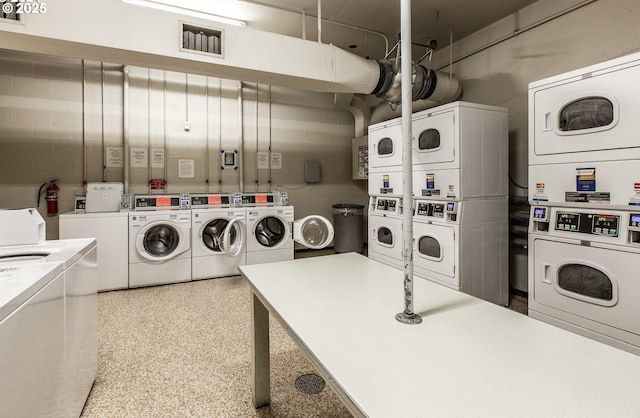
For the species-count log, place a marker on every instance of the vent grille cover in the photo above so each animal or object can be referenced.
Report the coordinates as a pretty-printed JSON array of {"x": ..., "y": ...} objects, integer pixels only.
[
  {"x": 9, "y": 11},
  {"x": 201, "y": 39}
]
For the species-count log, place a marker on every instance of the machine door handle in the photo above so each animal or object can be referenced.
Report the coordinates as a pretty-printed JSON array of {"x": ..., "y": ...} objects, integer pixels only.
[
  {"x": 547, "y": 274},
  {"x": 546, "y": 124}
]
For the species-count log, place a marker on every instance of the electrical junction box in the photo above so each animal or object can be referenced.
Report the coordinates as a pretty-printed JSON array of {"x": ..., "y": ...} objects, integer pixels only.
[{"x": 312, "y": 171}]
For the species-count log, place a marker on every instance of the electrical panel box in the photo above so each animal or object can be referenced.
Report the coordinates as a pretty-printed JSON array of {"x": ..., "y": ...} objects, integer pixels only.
[
  {"x": 360, "y": 158},
  {"x": 312, "y": 171}
]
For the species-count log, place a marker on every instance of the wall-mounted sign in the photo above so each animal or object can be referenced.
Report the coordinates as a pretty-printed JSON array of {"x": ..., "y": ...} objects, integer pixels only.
[
  {"x": 115, "y": 157},
  {"x": 157, "y": 157},
  {"x": 276, "y": 160},
  {"x": 139, "y": 157},
  {"x": 186, "y": 169}
]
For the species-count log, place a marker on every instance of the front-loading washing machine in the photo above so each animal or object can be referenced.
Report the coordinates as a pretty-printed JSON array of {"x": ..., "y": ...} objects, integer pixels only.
[
  {"x": 159, "y": 241},
  {"x": 217, "y": 236},
  {"x": 385, "y": 230},
  {"x": 464, "y": 245},
  {"x": 272, "y": 229}
]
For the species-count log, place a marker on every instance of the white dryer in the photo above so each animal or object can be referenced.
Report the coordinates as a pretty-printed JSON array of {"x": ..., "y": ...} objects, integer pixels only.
[
  {"x": 385, "y": 230},
  {"x": 464, "y": 245},
  {"x": 460, "y": 151},
  {"x": 218, "y": 235},
  {"x": 272, "y": 229},
  {"x": 582, "y": 272},
  {"x": 385, "y": 157},
  {"x": 159, "y": 241},
  {"x": 583, "y": 146}
]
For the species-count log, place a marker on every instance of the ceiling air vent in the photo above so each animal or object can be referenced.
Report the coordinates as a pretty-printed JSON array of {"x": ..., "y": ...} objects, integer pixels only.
[
  {"x": 201, "y": 39},
  {"x": 9, "y": 11}
]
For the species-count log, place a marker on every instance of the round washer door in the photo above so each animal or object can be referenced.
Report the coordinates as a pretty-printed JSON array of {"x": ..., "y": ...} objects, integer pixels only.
[
  {"x": 270, "y": 231},
  {"x": 313, "y": 231},
  {"x": 159, "y": 241},
  {"x": 233, "y": 238},
  {"x": 211, "y": 234}
]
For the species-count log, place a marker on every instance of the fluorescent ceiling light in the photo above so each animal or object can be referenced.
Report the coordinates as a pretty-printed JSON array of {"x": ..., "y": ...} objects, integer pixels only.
[{"x": 186, "y": 11}]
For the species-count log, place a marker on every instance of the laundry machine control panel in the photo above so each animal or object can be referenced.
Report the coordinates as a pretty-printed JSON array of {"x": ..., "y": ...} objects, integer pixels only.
[
  {"x": 430, "y": 209},
  {"x": 439, "y": 210},
  {"x": 210, "y": 200},
  {"x": 588, "y": 223},
  {"x": 388, "y": 205},
  {"x": 157, "y": 202}
]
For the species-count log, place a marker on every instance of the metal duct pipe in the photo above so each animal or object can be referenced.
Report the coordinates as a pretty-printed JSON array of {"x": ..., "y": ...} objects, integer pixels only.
[{"x": 427, "y": 84}]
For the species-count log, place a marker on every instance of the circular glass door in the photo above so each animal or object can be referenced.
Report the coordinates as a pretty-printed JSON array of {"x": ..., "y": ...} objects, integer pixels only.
[
  {"x": 385, "y": 236},
  {"x": 161, "y": 240},
  {"x": 313, "y": 231},
  {"x": 270, "y": 231},
  {"x": 232, "y": 241},
  {"x": 212, "y": 234}
]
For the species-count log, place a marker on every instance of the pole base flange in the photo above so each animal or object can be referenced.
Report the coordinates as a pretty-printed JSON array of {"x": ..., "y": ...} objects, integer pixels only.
[{"x": 406, "y": 318}]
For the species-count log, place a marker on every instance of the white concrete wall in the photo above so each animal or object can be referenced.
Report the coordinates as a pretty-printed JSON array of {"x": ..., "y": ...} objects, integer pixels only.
[
  {"x": 41, "y": 110},
  {"x": 500, "y": 75}
]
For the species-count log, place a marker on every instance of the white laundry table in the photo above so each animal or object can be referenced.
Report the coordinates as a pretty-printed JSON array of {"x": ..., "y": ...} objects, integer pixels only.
[{"x": 468, "y": 357}]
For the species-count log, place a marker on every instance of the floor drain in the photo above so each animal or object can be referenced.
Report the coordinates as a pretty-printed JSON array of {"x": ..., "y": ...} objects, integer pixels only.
[{"x": 309, "y": 384}]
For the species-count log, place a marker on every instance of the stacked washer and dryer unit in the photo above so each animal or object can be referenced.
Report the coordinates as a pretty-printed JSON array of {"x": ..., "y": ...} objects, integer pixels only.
[
  {"x": 460, "y": 189},
  {"x": 584, "y": 191}
]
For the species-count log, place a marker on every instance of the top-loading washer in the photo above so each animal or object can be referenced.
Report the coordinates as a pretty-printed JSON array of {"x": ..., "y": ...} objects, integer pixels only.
[
  {"x": 217, "y": 236},
  {"x": 111, "y": 229},
  {"x": 159, "y": 240},
  {"x": 272, "y": 228},
  {"x": 583, "y": 147},
  {"x": 78, "y": 258},
  {"x": 32, "y": 331}
]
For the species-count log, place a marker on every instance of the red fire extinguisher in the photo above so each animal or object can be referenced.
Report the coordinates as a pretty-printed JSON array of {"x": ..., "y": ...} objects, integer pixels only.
[{"x": 52, "y": 197}]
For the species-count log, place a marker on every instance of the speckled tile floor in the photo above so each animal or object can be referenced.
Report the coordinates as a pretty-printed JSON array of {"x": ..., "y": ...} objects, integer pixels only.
[{"x": 183, "y": 350}]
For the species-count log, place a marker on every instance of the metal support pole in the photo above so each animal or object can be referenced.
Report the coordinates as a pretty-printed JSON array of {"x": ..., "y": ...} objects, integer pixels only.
[{"x": 408, "y": 316}]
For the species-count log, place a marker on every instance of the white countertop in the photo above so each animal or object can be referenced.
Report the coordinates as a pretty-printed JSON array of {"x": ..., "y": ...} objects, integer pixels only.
[
  {"x": 66, "y": 251},
  {"x": 20, "y": 281},
  {"x": 468, "y": 358}
]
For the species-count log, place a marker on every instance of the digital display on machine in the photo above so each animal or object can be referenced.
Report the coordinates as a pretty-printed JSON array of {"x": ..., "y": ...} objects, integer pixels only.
[
  {"x": 387, "y": 205},
  {"x": 605, "y": 225},
  {"x": 391, "y": 205},
  {"x": 423, "y": 209},
  {"x": 257, "y": 198},
  {"x": 438, "y": 210},
  {"x": 634, "y": 219},
  {"x": 451, "y": 207},
  {"x": 539, "y": 213},
  {"x": 566, "y": 221}
]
